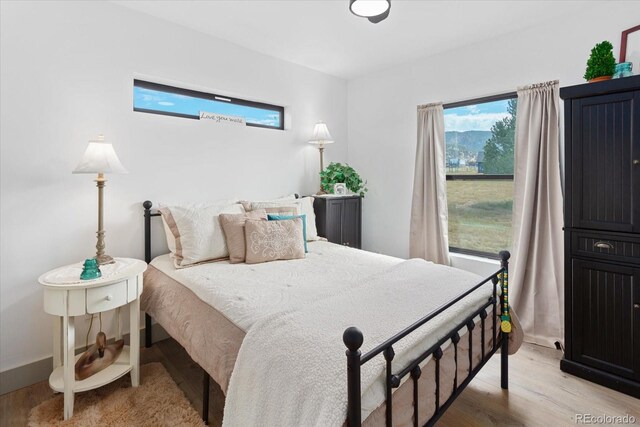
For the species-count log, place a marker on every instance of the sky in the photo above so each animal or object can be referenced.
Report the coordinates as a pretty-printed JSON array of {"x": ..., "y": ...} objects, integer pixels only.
[
  {"x": 475, "y": 117},
  {"x": 150, "y": 99}
]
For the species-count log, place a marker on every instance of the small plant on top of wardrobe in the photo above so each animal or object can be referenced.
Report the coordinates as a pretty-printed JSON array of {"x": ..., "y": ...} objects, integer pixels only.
[
  {"x": 601, "y": 63},
  {"x": 336, "y": 173}
]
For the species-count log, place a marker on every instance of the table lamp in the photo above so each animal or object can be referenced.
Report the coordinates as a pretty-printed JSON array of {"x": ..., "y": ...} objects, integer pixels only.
[
  {"x": 321, "y": 136},
  {"x": 100, "y": 158}
]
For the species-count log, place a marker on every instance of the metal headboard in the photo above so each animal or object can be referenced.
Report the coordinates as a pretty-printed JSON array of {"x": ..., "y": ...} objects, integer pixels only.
[{"x": 147, "y": 229}]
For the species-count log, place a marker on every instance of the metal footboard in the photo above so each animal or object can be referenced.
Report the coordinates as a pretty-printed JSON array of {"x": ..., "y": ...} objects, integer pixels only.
[{"x": 353, "y": 339}]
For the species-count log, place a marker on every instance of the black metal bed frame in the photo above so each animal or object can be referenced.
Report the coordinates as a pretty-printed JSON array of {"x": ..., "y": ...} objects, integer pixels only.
[{"x": 353, "y": 339}]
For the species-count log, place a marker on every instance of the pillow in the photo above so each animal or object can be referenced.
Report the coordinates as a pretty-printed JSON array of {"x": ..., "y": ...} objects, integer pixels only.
[
  {"x": 273, "y": 240},
  {"x": 283, "y": 210},
  {"x": 196, "y": 232},
  {"x": 246, "y": 204},
  {"x": 304, "y": 225},
  {"x": 233, "y": 227},
  {"x": 171, "y": 241},
  {"x": 305, "y": 206}
]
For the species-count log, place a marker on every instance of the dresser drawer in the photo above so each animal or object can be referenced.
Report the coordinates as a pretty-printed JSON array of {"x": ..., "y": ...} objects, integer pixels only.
[
  {"x": 606, "y": 246},
  {"x": 106, "y": 297}
]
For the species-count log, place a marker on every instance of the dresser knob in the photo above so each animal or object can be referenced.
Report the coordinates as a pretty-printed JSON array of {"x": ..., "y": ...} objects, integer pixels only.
[{"x": 108, "y": 297}]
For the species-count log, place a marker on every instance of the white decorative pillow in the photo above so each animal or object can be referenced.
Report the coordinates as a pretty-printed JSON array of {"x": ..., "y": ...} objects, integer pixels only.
[
  {"x": 171, "y": 241},
  {"x": 290, "y": 210},
  {"x": 305, "y": 207},
  {"x": 194, "y": 232},
  {"x": 247, "y": 203}
]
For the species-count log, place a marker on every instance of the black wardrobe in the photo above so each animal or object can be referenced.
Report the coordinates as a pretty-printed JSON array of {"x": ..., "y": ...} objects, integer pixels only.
[{"x": 602, "y": 233}]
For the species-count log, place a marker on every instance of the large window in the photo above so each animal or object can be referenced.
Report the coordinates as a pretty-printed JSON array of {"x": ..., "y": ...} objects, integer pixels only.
[
  {"x": 479, "y": 141},
  {"x": 173, "y": 101}
]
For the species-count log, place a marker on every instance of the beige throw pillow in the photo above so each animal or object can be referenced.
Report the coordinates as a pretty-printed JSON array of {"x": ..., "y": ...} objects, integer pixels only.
[
  {"x": 304, "y": 205},
  {"x": 246, "y": 204},
  {"x": 197, "y": 232},
  {"x": 273, "y": 240},
  {"x": 282, "y": 210},
  {"x": 233, "y": 226}
]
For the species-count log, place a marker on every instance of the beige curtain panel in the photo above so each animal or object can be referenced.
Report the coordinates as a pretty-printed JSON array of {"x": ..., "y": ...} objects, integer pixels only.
[
  {"x": 537, "y": 277},
  {"x": 429, "y": 216}
]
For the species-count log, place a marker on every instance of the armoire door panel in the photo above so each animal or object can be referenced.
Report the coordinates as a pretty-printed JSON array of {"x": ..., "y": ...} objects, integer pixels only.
[
  {"x": 604, "y": 177},
  {"x": 605, "y": 321}
]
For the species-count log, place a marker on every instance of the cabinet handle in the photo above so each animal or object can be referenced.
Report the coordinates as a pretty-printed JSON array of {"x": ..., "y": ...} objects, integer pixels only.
[
  {"x": 636, "y": 162},
  {"x": 108, "y": 297},
  {"x": 636, "y": 306},
  {"x": 603, "y": 245}
]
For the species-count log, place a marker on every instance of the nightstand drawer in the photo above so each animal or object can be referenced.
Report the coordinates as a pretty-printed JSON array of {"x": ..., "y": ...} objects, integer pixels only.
[{"x": 106, "y": 297}]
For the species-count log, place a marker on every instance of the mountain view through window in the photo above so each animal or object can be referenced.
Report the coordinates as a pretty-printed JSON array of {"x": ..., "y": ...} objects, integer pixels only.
[{"x": 479, "y": 141}]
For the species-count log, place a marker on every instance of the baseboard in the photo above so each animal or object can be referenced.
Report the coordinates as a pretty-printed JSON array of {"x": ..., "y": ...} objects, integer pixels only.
[{"x": 26, "y": 375}]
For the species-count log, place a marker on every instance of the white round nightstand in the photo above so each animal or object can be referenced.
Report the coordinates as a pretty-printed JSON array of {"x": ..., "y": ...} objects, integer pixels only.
[{"x": 66, "y": 296}]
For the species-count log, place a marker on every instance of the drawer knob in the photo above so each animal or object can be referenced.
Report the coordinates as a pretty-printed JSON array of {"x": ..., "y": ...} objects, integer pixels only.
[
  {"x": 108, "y": 297},
  {"x": 603, "y": 245}
]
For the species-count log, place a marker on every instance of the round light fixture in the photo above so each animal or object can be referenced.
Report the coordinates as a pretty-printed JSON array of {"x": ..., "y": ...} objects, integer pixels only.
[{"x": 375, "y": 10}]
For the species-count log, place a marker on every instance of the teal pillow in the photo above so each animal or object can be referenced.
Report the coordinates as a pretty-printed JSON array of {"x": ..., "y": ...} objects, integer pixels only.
[{"x": 304, "y": 224}]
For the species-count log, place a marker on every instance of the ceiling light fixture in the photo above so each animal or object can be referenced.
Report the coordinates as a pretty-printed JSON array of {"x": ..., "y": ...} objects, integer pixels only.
[{"x": 374, "y": 10}]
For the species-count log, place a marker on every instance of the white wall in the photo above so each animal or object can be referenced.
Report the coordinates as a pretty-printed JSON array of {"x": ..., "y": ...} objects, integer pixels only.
[
  {"x": 67, "y": 70},
  {"x": 382, "y": 106}
]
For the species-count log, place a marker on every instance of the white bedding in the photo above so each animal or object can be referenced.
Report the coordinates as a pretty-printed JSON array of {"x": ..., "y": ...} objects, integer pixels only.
[
  {"x": 294, "y": 313},
  {"x": 245, "y": 293},
  {"x": 291, "y": 368}
]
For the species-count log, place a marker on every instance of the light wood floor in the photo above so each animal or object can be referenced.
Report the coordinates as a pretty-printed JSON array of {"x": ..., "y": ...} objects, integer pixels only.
[{"x": 539, "y": 393}]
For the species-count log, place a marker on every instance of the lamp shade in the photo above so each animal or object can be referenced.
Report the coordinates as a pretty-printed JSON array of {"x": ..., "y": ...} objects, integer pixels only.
[
  {"x": 100, "y": 157},
  {"x": 321, "y": 135}
]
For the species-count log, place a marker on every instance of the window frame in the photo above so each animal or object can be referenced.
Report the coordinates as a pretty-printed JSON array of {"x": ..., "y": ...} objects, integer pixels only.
[
  {"x": 208, "y": 96},
  {"x": 462, "y": 177}
]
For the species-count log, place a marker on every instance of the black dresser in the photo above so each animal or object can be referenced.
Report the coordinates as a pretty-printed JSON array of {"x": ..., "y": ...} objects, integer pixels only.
[
  {"x": 339, "y": 219},
  {"x": 602, "y": 233}
]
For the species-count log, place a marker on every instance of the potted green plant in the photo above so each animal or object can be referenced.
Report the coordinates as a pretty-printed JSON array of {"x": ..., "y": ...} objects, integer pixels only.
[
  {"x": 601, "y": 64},
  {"x": 337, "y": 173}
]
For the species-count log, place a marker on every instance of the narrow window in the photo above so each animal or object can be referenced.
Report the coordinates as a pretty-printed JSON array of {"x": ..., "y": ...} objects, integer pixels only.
[
  {"x": 156, "y": 98},
  {"x": 479, "y": 143}
]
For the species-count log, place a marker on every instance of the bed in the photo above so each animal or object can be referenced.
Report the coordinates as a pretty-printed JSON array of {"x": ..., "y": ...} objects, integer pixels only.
[{"x": 217, "y": 310}]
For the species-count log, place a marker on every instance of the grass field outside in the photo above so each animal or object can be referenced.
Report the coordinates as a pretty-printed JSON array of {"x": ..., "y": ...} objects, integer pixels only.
[
  {"x": 480, "y": 214},
  {"x": 462, "y": 170}
]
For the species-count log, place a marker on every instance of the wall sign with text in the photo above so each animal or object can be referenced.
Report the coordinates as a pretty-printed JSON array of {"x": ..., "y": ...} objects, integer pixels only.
[{"x": 222, "y": 119}]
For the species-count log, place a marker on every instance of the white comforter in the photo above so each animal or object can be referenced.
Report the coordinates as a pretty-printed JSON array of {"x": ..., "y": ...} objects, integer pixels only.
[
  {"x": 291, "y": 368},
  {"x": 245, "y": 293}
]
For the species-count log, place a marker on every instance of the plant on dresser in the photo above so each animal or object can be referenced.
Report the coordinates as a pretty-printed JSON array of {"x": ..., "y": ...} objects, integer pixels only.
[
  {"x": 337, "y": 173},
  {"x": 602, "y": 233},
  {"x": 601, "y": 64}
]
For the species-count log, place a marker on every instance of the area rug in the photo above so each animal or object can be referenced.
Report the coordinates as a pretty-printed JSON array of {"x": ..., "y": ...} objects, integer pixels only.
[{"x": 156, "y": 402}]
